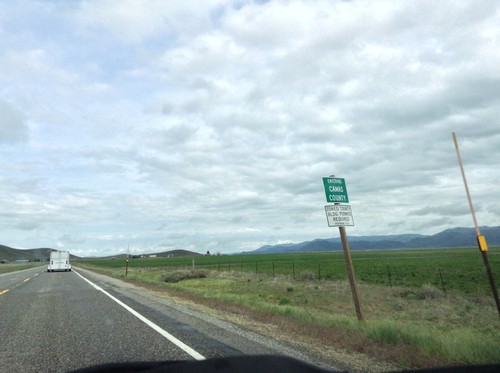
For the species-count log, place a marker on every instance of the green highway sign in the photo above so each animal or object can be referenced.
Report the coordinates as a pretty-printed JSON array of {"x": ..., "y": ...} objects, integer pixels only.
[{"x": 335, "y": 189}]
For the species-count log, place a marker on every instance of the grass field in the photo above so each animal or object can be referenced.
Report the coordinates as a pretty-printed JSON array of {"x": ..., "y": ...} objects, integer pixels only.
[
  {"x": 451, "y": 270},
  {"x": 12, "y": 267}
]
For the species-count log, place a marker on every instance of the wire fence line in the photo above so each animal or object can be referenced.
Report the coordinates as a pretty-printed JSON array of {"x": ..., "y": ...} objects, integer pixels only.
[{"x": 447, "y": 278}]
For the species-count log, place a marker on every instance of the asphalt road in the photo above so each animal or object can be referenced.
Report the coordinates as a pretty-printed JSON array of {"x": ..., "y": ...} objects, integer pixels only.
[{"x": 58, "y": 322}]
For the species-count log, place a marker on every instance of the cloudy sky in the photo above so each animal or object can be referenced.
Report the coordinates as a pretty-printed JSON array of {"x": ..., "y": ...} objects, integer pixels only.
[{"x": 209, "y": 125}]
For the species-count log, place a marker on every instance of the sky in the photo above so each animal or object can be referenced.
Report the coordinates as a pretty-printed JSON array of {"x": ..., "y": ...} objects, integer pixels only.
[{"x": 148, "y": 126}]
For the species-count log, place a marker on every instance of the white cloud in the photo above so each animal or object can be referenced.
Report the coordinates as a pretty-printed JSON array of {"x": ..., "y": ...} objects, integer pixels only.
[
  {"x": 13, "y": 128},
  {"x": 137, "y": 21},
  {"x": 184, "y": 125}
]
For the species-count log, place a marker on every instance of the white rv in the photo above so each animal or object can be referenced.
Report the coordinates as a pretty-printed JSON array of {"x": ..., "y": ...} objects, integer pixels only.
[{"x": 59, "y": 261}]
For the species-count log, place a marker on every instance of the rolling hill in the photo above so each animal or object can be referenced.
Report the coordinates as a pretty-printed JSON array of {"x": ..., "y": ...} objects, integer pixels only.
[
  {"x": 163, "y": 254},
  {"x": 454, "y": 237},
  {"x": 33, "y": 255}
]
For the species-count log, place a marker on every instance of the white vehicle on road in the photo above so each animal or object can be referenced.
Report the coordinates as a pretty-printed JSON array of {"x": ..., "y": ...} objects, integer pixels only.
[{"x": 59, "y": 261}]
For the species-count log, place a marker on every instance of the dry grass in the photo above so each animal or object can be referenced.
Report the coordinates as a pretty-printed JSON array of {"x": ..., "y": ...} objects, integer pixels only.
[{"x": 180, "y": 275}]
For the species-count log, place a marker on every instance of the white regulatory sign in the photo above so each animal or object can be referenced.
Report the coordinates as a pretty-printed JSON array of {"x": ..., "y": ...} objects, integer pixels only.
[{"x": 339, "y": 215}]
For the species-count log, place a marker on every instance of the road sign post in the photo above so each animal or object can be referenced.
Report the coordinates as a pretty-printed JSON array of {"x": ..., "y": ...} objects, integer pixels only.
[
  {"x": 350, "y": 271},
  {"x": 339, "y": 216}
]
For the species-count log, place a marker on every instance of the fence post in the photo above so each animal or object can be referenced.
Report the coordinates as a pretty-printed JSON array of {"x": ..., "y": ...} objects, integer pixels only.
[
  {"x": 442, "y": 282},
  {"x": 389, "y": 274},
  {"x": 256, "y": 267},
  {"x": 293, "y": 269},
  {"x": 273, "y": 269},
  {"x": 319, "y": 271}
]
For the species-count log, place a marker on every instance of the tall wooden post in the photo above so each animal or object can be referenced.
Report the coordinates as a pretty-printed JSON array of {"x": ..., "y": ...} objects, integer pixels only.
[
  {"x": 481, "y": 241},
  {"x": 350, "y": 271},
  {"x": 336, "y": 192}
]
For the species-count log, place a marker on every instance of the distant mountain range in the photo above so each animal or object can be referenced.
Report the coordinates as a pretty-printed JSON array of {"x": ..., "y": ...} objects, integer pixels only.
[
  {"x": 10, "y": 254},
  {"x": 455, "y": 237},
  {"x": 164, "y": 254}
]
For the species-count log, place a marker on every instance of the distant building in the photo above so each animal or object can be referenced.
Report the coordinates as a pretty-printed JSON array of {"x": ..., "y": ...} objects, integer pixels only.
[{"x": 153, "y": 256}]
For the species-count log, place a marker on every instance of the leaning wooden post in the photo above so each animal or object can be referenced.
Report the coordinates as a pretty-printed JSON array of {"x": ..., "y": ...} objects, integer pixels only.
[
  {"x": 350, "y": 271},
  {"x": 481, "y": 240},
  {"x": 339, "y": 215}
]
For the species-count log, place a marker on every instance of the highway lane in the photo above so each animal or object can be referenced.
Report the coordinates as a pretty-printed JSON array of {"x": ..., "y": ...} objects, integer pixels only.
[
  {"x": 11, "y": 279},
  {"x": 56, "y": 322}
]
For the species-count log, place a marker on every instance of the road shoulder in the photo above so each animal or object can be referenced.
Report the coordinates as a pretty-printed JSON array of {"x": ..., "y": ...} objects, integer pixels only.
[{"x": 233, "y": 327}]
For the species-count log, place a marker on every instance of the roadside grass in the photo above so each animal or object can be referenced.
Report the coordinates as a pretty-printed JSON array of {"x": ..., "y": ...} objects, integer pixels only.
[
  {"x": 408, "y": 326},
  {"x": 5, "y": 268}
]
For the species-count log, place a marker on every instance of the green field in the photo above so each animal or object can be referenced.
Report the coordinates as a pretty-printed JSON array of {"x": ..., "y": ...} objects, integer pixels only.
[
  {"x": 459, "y": 271},
  {"x": 13, "y": 267}
]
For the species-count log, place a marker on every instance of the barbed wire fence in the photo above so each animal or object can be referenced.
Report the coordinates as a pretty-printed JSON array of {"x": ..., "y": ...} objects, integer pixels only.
[{"x": 411, "y": 275}]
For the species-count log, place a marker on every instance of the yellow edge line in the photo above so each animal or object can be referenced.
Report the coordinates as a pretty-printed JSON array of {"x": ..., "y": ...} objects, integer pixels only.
[
  {"x": 4, "y": 291},
  {"x": 27, "y": 280}
]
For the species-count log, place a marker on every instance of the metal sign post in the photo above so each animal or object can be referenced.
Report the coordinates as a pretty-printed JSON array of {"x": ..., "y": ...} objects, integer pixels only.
[{"x": 481, "y": 240}]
